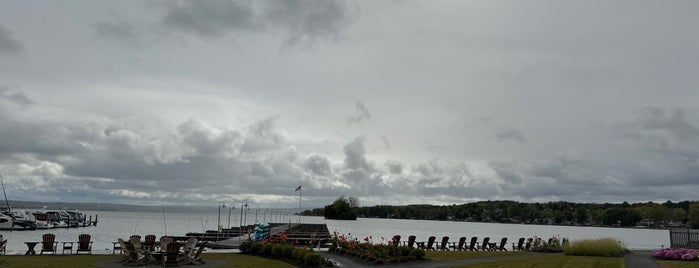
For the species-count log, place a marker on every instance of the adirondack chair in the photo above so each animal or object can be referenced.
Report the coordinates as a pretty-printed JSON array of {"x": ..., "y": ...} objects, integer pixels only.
[
  {"x": 519, "y": 246},
  {"x": 3, "y": 245},
  {"x": 136, "y": 241},
  {"x": 444, "y": 245},
  {"x": 149, "y": 243},
  {"x": 473, "y": 246},
  {"x": 84, "y": 244},
  {"x": 124, "y": 252},
  {"x": 189, "y": 246},
  {"x": 172, "y": 253},
  {"x": 195, "y": 257},
  {"x": 430, "y": 243},
  {"x": 501, "y": 246},
  {"x": 395, "y": 241},
  {"x": 135, "y": 257},
  {"x": 528, "y": 246},
  {"x": 411, "y": 241},
  {"x": 164, "y": 240},
  {"x": 48, "y": 243},
  {"x": 485, "y": 245},
  {"x": 460, "y": 245}
]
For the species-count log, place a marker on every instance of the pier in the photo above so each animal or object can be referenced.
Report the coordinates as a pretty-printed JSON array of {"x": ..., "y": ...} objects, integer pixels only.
[{"x": 296, "y": 233}]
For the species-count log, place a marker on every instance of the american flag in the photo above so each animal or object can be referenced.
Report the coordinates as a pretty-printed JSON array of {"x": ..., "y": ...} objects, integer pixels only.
[{"x": 298, "y": 189}]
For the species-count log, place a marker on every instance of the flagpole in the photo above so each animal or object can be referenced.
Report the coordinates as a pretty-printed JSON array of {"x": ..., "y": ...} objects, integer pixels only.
[{"x": 300, "y": 194}]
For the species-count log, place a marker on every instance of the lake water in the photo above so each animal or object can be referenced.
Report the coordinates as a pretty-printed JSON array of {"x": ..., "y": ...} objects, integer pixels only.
[{"x": 114, "y": 225}]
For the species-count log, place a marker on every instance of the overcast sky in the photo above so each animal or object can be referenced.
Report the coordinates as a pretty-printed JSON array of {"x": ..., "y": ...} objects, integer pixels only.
[{"x": 394, "y": 102}]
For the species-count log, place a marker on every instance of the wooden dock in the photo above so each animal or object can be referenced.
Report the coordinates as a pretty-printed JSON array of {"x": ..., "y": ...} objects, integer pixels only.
[{"x": 297, "y": 233}]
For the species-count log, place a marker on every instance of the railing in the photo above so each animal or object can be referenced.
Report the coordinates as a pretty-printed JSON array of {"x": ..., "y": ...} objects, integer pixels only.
[{"x": 684, "y": 238}]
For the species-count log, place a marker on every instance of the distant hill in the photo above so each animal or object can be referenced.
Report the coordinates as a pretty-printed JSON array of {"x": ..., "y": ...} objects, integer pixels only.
[{"x": 100, "y": 206}]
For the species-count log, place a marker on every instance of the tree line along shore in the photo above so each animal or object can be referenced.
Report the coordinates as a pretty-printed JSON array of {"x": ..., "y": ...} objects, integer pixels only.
[{"x": 650, "y": 214}]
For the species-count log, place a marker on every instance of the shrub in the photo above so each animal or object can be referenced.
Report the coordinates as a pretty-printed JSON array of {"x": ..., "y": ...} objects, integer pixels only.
[
  {"x": 267, "y": 249},
  {"x": 245, "y": 246},
  {"x": 255, "y": 247},
  {"x": 605, "y": 247},
  {"x": 288, "y": 251},
  {"x": 404, "y": 250},
  {"x": 277, "y": 250},
  {"x": 418, "y": 253},
  {"x": 313, "y": 259}
]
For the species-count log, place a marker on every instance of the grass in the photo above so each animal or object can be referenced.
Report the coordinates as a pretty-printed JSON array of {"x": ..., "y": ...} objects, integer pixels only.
[
  {"x": 557, "y": 261},
  {"x": 678, "y": 264},
  {"x": 604, "y": 247},
  {"x": 454, "y": 255},
  {"x": 232, "y": 260}
]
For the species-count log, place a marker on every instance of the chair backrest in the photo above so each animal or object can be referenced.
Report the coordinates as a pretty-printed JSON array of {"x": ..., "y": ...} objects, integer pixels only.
[
  {"x": 520, "y": 244},
  {"x": 148, "y": 242},
  {"x": 462, "y": 241},
  {"x": 190, "y": 243},
  {"x": 472, "y": 245},
  {"x": 48, "y": 241},
  {"x": 430, "y": 241},
  {"x": 396, "y": 240},
  {"x": 529, "y": 243},
  {"x": 411, "y": 241},
  {"x": 84, "y": 242},
  {"x": 200, "y": 250},
  {"x": 136, "y": 241},
  {"x": 445, "y": 242},
  {"x": 164, "y": 241},
  {"x": 503, "y": 241},
  {"x": 172, "y": 250},
  {"x": 486, "y": 242}
]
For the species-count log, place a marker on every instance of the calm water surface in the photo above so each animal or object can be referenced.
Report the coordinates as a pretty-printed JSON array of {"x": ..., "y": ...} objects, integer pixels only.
[{"x": 114, "y": 225}]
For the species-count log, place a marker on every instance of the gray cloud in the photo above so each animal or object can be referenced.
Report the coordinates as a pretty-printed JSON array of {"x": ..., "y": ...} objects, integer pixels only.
[
  {"x": 121, "y": 30},
  {"x": 211, "y": 18},
  {"x": 8, "y": 44},
  {"x": 18, "y": 98},
  {"x": 318, "y": 164},
  {"x": 362, "y": 113},
  {"x": 510, "y": 135},
  {"x": 297, "y": 22}
]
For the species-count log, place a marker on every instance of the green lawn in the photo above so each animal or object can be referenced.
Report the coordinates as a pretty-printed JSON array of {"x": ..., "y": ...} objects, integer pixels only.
[
  {"x": 232, "y": 260},
  {"x": 558, "y": 261},
  {"x": 678, "y": 264},
  {"x": 453, "y": 255}
]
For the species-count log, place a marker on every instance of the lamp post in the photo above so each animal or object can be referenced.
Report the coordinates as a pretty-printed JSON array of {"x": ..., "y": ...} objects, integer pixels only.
[
  {"x": 220, "y": 205},
  {"x": 242, "y": 207},
  {"x": 257, "y": 210},
  {"x": 230, "y": 209}
]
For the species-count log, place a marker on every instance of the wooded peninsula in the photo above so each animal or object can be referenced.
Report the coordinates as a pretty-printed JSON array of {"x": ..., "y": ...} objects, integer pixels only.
[{"x": 649, "y": 214}]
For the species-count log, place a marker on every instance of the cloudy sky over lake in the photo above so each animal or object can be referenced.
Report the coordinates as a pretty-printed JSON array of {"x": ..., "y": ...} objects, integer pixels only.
[{"x": 395, "y": 102}]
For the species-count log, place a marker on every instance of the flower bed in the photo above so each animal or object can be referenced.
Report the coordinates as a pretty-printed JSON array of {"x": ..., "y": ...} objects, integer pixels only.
[
  {"x": 278, "y": 247},
  {"x": 379, "y": 253},
  {"x": 684, "y": 254}
]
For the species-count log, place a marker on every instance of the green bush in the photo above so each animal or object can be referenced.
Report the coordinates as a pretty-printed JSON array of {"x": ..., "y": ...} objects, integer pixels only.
[
  {"x": 255, "y": 247},
  {"x": 605, "y": 247},
  {"x": 245, "y": 246},
  {"x": 313, "y": 259},
  {"x": 267, "y": 248},
  {"x": 418, "y": 253},
  {"x": 299, "y": 253},
  {"x": 404, "y": 250},
  {"x": 277, "y": 250},
  {"x": 288, "y": 251}
]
